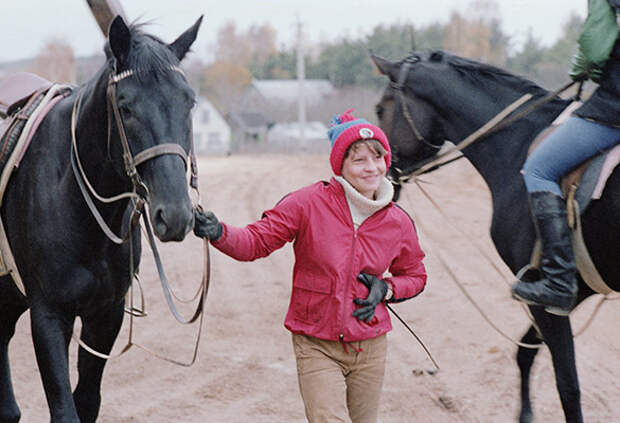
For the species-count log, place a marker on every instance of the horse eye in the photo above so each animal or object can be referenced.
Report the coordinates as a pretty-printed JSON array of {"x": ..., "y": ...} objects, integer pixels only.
[{"x": 125, "y": 111}]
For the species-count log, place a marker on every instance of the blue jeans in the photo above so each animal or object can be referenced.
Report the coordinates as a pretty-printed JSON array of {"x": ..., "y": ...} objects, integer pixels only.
[{"x": 572, "y": 143}]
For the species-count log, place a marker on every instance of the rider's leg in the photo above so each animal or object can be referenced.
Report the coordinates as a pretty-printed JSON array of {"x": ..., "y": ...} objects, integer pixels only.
[{"x": 568, "y": 146}]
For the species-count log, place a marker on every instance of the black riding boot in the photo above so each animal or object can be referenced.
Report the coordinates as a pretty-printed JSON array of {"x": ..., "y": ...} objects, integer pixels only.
[{"x": 557, "y": 289}]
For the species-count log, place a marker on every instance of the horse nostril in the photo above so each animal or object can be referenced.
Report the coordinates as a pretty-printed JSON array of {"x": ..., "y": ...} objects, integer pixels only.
[
  {"x": 159, "y": 220},
  {"x": 172, "y": 223}
]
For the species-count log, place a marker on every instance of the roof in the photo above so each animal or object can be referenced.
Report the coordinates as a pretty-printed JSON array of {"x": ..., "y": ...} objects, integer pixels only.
[
  {"x": 248, "y": 119},
  {"x": 287, "y": 90},
  {"x": 292, "y": 130}
]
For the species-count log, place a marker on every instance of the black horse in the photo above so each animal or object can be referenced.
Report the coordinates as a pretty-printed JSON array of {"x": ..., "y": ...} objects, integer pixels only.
[
  {"x": 68, "y": 266},
  {"x": 448, "y": 98}
]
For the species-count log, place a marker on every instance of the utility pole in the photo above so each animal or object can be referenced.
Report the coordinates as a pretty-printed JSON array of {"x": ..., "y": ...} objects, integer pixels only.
[{"x": 301, "y": 76}]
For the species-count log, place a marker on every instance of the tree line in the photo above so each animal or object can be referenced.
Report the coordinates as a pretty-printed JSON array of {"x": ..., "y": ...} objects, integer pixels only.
[
  {"x": 241, "y": 55},
  {"x": 238, "y": 56}
]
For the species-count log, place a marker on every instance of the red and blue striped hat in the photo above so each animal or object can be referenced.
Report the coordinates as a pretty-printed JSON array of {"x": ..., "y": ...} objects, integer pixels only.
[{"x": 344, "y": 130}]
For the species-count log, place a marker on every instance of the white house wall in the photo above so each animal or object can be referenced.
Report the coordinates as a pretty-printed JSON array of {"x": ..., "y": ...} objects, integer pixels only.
[{"x": 212, "y": 134}]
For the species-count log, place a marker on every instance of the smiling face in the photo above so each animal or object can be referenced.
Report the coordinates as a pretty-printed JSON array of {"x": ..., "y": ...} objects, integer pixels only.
[{"x": 364, "y": 167}]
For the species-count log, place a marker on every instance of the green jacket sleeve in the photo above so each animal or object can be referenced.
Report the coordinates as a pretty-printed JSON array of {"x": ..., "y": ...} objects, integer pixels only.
[{"x": 596, "y": 41}]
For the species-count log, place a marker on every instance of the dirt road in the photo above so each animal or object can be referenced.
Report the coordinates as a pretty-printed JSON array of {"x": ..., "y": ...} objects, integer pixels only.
[{"x": 245, "y": 371}]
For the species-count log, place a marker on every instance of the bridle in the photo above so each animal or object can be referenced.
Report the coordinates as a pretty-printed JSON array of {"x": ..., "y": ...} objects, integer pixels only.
[
  {"x": 398, "y": 87},
  {"x": 139, "y": 194},
  {"x": 499, "y": 121}
]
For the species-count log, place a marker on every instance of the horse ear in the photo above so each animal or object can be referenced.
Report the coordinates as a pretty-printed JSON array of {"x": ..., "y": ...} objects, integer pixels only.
[
  {"x": 120, "y": 39},
  {"x": 385, "y": 67},
  {"x": 181, "y": 45}
]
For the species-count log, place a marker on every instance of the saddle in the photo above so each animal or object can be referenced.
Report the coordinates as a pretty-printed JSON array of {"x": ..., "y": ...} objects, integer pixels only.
[
  {"x": 20, "y": 95},
  {"x": 580, "y": 186},
  {"x": 16, "y": 90}
]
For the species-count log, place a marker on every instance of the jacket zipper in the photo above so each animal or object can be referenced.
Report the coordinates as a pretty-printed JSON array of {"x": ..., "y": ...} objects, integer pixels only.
[
  {"x": 344, "y": 302},
  {"x": 346, "y": 290}
]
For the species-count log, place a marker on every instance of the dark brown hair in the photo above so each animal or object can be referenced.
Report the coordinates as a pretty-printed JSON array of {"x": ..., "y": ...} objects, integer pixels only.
[{"x": 374, "y": 146}]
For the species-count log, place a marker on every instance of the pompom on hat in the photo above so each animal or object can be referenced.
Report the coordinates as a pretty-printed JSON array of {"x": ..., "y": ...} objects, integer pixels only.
[{"x": 344, "y": 130}]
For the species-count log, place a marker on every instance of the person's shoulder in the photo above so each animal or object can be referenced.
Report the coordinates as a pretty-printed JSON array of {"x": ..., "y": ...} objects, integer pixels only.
[
  {"x": 317, "y": 188},
  {"x": 401, "y": 214}
]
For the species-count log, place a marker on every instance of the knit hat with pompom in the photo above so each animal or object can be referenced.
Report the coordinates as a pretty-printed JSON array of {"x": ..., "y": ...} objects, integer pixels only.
[{"x": 344, "y": 130}]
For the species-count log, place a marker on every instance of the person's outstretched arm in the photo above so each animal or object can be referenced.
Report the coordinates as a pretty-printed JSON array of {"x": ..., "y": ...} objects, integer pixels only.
[{"x": 259, "y": 239}]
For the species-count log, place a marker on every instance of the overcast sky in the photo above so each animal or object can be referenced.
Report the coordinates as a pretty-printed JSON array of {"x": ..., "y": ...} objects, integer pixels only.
[{"x": 26, "y": 25}]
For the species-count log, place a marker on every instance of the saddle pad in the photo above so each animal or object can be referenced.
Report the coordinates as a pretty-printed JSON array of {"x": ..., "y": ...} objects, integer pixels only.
[
  {"x": 595, "y": 176},
  {"x": 7, "y": 262},
  {"x": 15, "y": 125}
]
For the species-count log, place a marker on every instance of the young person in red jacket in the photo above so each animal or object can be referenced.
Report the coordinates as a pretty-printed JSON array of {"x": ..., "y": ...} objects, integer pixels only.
[{"x": 346, "y": 234}]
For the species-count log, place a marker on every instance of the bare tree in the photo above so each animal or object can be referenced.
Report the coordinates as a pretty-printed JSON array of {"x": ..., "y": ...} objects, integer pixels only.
[
  {"x": 56, "y": 61},
  {"x": 232, "y": 47},
  {"x": 225, "y": 84},
  {"x": 478, "y": 36}
]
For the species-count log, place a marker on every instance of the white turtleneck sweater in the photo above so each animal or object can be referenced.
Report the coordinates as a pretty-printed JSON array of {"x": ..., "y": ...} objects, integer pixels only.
[{"x": 362, "y": 207}]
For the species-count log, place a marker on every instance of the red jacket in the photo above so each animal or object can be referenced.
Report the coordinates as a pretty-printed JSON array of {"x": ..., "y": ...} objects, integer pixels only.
[{"x": 329, "y": 254}]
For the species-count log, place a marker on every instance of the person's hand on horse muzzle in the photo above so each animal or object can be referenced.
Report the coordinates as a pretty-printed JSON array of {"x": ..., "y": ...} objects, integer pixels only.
[
  {"x": 378, "y": 288},
  {"x": 206, "y": 225}
]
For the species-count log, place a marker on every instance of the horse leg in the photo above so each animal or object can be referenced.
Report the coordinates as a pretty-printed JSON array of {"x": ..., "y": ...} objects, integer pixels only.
[
  {"x": 51, "y": 333},
  {"x": 557, "y": 334},
  {"x": 9, "y": 410},
  {"x": 525, "y": 359},
  {"x": 98, "y": 332}
]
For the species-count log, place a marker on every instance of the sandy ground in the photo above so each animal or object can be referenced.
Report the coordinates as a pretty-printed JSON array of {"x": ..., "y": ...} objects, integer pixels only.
[{"x": 245, "y": 370}]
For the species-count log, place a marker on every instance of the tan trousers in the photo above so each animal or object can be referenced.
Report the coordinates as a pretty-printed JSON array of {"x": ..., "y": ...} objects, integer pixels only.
[{"x": 337, "y": 386}]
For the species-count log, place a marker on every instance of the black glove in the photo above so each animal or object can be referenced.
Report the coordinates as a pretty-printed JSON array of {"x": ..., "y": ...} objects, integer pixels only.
[
  {"x": 206, "y": 225},
  {"x": 378, "y": 288}
]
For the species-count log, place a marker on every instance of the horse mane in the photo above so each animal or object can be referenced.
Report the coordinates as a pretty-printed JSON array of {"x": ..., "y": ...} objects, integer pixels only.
[
  {"x": 481, "y": 73},
  {"x": 149, "y": 55}
]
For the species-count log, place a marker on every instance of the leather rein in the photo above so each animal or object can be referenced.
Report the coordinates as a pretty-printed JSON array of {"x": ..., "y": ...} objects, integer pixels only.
[{"x": 139, "y": 196}]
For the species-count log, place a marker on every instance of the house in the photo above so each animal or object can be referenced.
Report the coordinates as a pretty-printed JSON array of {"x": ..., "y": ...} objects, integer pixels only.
[
  {"x": 212, "y": 134},
  {"x": 266, "y": 115},
  {"x": 277, "y": 98},
  {"x": 286, "y": 91},
  {"x": 288, "y": 136}
]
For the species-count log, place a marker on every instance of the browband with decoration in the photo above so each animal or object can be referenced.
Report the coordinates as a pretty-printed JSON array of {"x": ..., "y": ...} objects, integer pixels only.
[{"x": 127, "y": 73}]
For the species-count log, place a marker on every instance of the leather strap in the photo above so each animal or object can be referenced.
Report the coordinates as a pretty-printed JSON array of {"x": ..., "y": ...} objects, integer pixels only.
[{"x": 159, "y": 150}]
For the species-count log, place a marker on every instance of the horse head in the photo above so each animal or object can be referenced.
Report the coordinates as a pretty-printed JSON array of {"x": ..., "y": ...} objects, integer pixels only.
[
  {"x": 149, "y": 118},
  {"x": 436, "y": 97}
]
